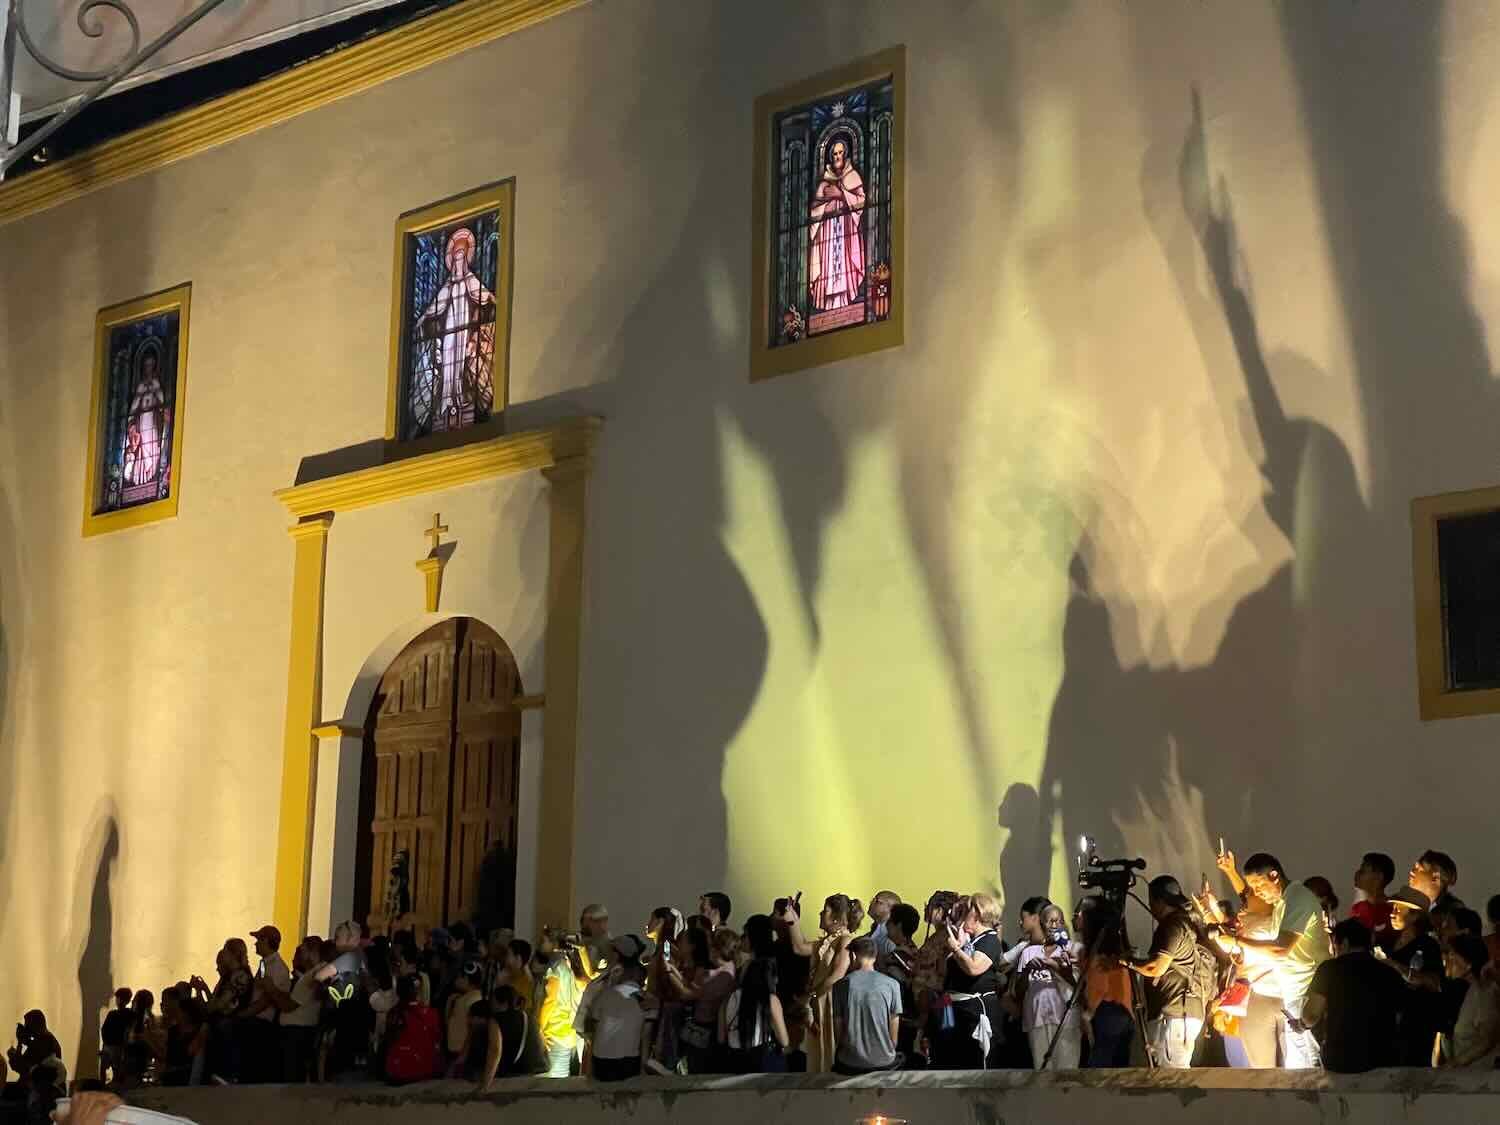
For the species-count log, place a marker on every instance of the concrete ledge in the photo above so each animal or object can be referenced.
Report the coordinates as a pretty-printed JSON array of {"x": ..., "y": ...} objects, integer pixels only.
[{"x": 1124, "y": 1097}]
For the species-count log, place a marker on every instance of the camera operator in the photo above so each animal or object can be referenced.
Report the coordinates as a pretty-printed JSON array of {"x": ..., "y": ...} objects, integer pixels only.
[
  {"x": 34, "y": 1046},
  {"x": 1175, "y": 1006},
  {"x": 968, "y": 1020}
]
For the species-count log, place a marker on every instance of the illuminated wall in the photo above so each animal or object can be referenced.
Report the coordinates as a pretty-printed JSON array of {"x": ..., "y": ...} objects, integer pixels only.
[{"x": 1117, "y": 541}]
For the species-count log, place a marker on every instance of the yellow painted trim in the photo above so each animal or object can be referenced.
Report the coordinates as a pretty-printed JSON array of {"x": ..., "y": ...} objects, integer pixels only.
[
  {"x": 564, "y": 453},
  {"x": 179, "y": 298},
  {"x": 277, "y": 99},
  {"x": 766, "y": 361},
  {"x": 336, "y": 730},
  {"x": 1434, "y": 699},
  {"x": 567, "y": 504},
  {"x": 432, "y": 578},
  {"x": 499, "y": 196},
  {"x": 448, "y": 468},
  {"x": 304, "y": 704}
]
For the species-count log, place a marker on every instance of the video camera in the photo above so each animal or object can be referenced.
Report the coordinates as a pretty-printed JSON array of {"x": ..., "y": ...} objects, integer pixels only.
[{"x": 1112, "y": 877}]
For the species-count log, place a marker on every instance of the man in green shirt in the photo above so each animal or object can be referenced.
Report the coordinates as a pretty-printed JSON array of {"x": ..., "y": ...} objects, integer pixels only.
[{"x": 1293, "y": 945}]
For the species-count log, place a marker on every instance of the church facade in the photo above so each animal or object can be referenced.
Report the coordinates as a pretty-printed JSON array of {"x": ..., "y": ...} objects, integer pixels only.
[{"x": 791, "y": 447}]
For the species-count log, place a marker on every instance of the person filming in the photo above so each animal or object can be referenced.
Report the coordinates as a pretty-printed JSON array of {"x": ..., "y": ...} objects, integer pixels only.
[{"x": 1175, "y": 1008}]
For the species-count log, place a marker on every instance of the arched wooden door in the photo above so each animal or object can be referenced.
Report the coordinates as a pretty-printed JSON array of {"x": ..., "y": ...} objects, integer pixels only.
[{"x": 441, "y": 773}]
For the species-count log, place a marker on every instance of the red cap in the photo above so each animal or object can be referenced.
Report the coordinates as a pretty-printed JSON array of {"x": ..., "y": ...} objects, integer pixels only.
[{"x": 268, "y": 934}]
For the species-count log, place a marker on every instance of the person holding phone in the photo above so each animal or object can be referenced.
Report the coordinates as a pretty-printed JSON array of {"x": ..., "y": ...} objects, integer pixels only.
[
  {"x": 967, "y": 1022},
  {"x": 1049, "y": 970}
]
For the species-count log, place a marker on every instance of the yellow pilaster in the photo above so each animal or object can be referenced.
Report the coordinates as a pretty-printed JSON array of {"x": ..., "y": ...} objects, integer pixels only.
[
  {"x": 569, "y": 493},
  {"x": 304, "y": 689},
  {"x": 432, "y": 574}
]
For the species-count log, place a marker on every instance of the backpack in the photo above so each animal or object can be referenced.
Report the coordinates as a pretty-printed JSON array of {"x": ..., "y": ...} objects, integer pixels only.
[{"x": 1203, "y": 982}]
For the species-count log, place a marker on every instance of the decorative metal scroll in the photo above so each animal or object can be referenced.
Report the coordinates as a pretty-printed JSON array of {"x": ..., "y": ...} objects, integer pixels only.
[
  {"x": 91, "y": 23},
  {"x": 94, "y": 29}
]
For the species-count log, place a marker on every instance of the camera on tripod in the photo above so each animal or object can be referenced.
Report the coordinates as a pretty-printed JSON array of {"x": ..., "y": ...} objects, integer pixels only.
[{"x": 1112, "y": 877}]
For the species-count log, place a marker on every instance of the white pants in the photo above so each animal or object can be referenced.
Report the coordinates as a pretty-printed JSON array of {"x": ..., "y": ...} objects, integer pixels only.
[
  {"x": 1065, "y": 1056},
  {"x": 1172, "y": 1040},
  {"x": 1299, "y": 1049}
]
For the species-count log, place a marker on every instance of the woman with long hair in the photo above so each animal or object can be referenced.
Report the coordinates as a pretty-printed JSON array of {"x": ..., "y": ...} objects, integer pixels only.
[
  {"x": 752, "y": 1023},
  {"x": 839, "y": 919},
  {"x": 1108, "y": 1000}
]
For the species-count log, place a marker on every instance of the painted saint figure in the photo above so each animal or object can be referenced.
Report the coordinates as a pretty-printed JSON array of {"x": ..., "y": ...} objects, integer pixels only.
[
  {"x": 458, "y": 329},
  {"x": 144, "y": 424},
  {"x": 836, "y": 257}
]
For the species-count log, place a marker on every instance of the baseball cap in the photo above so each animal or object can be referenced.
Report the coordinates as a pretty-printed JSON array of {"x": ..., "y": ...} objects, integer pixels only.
[
  {"x": 632, "y": 947},
  {"x": 1168, "y": 890},
  {"x": 268, "y": 934}
]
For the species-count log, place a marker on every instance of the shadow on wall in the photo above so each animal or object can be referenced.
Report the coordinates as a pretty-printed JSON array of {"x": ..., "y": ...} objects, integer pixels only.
[
  {"x": 670, "y": 590},
  {"x": 1305, "y": 688},
  {"x": 10, "y": 653},
  {"x": 1160, "y": 760},
  {"x": 92, "y": 934}
]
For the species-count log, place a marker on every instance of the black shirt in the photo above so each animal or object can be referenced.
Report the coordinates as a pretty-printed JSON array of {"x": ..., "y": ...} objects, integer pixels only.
[
  {"x": 520, "y": 1044},
  {"x": 1421, "y": 1011},
  {"x": 116, "y": 1027},
  {"x": 793, "y": 974},
  {"x": 1171, "y": 994},
  {"x": 1364, "y": 1000},
  {"x": 957, "y": 980}
]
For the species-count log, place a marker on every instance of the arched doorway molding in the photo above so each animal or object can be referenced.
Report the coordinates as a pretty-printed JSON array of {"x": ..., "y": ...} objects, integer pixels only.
[{"x": 317, "y": 820}]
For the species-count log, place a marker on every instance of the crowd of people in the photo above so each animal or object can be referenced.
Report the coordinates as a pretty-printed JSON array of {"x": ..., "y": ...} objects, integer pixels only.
[{"x": 1271, "y": 977}]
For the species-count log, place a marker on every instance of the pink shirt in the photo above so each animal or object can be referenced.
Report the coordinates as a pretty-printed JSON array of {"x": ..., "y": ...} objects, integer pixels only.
[{"x": 717, "y": 986}]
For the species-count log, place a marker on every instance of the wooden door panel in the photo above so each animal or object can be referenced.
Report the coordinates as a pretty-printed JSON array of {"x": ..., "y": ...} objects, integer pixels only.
[
  {"x": 411, "y": 813},
  {"x": 443, "y": 750}
]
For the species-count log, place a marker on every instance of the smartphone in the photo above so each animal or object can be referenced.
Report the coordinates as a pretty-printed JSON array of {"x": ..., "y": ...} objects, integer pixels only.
[{"x": 1221, "y": 847}]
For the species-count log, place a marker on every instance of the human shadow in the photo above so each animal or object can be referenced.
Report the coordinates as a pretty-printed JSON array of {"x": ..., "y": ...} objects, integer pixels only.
[
  {"x": 1026, "y": 857},
  {"x": 1159, "y": 757},
  {"x": 94, "y": 938},
  {"x": 1384, "y": 158}
]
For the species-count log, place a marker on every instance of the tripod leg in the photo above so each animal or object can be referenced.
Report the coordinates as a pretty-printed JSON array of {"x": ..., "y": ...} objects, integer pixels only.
[{"x": 1138, "y": 1004}]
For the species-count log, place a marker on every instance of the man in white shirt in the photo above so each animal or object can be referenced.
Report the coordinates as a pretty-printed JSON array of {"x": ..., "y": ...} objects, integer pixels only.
[
  {"x": 1295, "y": 945},
  {"x": 614, "y": 1019},
  {"x": 299, "y": 1022},
  {"x": 261, "y": 1046},
  {"x": 273, "y": 970}
]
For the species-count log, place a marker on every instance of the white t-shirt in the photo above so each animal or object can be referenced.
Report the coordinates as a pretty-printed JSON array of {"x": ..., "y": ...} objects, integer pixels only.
[
  {"x": 305, "y": 996},
  {"x": 274, "y": 971},
  {"x": 617, "y": 1021},
  {"x": 1046, "y": 993}
]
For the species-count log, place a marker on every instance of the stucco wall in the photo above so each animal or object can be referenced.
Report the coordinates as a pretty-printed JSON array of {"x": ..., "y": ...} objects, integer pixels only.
[
  {"x": 1114, "y": 542},
  {"x": 1126, "y": 1097}
]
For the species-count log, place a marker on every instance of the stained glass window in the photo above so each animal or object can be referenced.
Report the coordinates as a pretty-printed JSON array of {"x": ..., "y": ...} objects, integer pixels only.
[
  {"x": 139, "y": 412},
  {"x": 831, "y": 213},
  {"x": 447, "y": 378}
]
